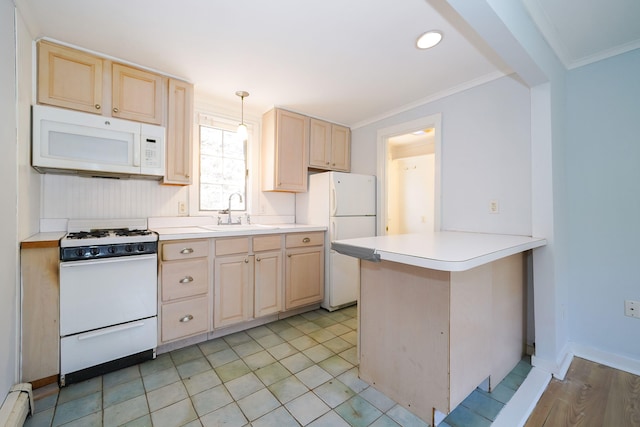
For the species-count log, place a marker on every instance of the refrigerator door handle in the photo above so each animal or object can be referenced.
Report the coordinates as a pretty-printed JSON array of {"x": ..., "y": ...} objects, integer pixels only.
[{"x": 334, "y": 208}]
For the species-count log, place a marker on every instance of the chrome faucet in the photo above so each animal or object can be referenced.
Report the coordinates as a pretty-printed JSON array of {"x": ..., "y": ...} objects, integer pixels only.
[{"x": 229, "y": 210}]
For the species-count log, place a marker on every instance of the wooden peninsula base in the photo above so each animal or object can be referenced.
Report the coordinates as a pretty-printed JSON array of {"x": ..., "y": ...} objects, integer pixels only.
[
  {"x": 440, "y": 313},
  {"x": 428, "y": 338}
]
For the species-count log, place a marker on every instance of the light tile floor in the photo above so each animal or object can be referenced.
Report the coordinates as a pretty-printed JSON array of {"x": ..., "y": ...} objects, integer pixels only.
[{"x": 297, "y": 371}]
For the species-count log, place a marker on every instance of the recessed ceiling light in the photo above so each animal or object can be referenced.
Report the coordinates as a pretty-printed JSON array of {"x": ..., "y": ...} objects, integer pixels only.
[{"x": 429, "y": 39}]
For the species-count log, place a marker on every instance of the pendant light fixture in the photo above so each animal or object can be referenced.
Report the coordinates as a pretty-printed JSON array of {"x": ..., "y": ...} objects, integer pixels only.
[{"x": 242, "y": 128}]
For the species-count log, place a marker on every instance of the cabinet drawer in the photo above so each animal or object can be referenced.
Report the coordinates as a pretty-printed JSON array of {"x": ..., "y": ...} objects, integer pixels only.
[
  {"x": 184, "y": 279},
  {"x": 232, "y": 246},
  {"x": 185, "y": 249},
  {"x": 297, "y": 240},
  {"x": 183, "y": 318},
  {"x": 267, "y": 243}
]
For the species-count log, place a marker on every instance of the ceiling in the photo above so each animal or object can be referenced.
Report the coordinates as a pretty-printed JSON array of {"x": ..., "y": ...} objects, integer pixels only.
[{"x": 351, "y": 62}]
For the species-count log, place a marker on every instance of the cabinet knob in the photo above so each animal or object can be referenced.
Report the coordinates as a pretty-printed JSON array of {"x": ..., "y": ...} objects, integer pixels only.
[
  {"x": 289, "y": 255},
  {"x": 327, "y": 163},
  {"x": 258, "y": 259},
  {"x": 246, "y": 260},
  {"x": 115, "y": 110},
  {"x": 186, "y": 279},
  {"x": 186, "y": 318},
  {"x": 333, "y": 164},
  {"x": 97, "y": 106},
  {"x": 186, "y": 251},
  {"x": 306, "y": 240}
]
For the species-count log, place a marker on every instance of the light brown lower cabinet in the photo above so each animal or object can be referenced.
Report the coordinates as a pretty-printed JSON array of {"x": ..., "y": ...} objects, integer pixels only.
[
  {"x": 184, "y": 297},
  {"x": 267, "y": 287},
  {"x": 40, "y": 306},
  {"x": 248, "y": 281},
  {"x": 304, "y": 269}
]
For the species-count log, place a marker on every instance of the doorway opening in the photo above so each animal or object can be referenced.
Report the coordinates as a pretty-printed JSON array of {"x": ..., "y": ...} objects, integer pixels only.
[{"x": 409, "y": 176}]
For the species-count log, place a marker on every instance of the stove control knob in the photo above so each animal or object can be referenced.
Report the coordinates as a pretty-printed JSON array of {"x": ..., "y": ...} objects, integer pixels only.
[
  {"x": 140, "y": 248},
  {"x": 95, "y": 251},
  {"x": 80, "y": 252},
  {"x": 111, "y": 249},
  {"x": 128, "y": 248}
]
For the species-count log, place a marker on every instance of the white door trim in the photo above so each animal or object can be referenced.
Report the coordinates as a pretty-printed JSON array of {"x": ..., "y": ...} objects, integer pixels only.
[{"x": 434, "y": 121}]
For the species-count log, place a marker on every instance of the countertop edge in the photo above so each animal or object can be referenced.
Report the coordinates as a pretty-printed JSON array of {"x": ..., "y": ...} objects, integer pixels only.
[
  {"x": 43, "y": 240},
  {"x": 457, "y": 266},
  {"x": 170, "y": 233},
  {"x": 432, "y": 261}
]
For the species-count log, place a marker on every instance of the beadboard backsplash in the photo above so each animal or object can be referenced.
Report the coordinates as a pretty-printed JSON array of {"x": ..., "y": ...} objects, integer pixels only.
[{"x": 79, "y": 197}]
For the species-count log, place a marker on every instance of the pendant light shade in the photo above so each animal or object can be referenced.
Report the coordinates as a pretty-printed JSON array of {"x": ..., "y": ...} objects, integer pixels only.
[{"x": 242, "y": 128}]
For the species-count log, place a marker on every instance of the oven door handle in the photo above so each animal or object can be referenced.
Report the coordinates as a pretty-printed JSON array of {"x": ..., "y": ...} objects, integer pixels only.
[
  {"x": 112, "y": 330},
  {"x": 130, "y": 258}
]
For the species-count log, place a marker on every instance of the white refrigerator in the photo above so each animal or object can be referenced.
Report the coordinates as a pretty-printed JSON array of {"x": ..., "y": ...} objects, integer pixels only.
[{"x": 346, "y": 204}]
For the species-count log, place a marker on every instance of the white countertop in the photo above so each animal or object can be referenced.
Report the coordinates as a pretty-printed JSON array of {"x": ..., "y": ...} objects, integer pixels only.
[
  {"x": 445, "y": 250},
  {"x": 209, "y": 231}
]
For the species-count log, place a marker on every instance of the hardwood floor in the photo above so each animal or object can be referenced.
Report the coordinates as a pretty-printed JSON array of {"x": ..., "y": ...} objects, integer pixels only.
[{"x": 591, "y": 395}]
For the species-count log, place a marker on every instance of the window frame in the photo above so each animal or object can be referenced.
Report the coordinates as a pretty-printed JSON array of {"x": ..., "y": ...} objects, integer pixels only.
[{"x": 220, "y": 122}]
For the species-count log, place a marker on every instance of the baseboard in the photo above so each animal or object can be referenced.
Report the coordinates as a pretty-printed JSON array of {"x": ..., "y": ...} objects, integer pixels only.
[
  {"x": 517, "y": 410},
  {"x": 17, "y": 405},
  {"x": 612, "y": 360},
  {"x": 559, "y": 367}
]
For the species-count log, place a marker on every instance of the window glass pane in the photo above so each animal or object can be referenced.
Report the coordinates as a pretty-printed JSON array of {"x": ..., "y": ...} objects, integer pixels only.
[{"x": 223, "y": 165}]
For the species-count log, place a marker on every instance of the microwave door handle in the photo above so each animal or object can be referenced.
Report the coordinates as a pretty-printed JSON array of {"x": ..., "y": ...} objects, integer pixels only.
[{"x": 136, "y": 150}]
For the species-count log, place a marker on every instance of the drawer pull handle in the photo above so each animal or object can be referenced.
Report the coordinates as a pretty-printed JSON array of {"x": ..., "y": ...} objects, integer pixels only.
[
  {"x": 306, "y": 240},
  {"x": 186, "y": 251},
  {"x": 186, "y": 279},
  {"x": 186, "y": 318}
]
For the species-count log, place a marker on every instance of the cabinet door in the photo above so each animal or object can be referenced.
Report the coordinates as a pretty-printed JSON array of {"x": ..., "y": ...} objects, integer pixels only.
[
  {"x": 69, "y": 78},
  {"x": 304, "y": 276},
  {"x": 319, "y": 144},
  {"x": 232, "y": 297},
  {"x": 137, "y": 94},
  {"x": 184, "y": 318},
  {"x": 340, "y": 148},
  {"x": 292, "y": 136},
  {"x": 268, "y": 283},
  {"x": 40, "y": 319},
  {"x": 179, "y": 133}
]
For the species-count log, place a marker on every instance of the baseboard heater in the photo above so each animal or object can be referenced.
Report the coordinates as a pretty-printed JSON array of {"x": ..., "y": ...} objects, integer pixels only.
[{"x": 17, "y": 405}]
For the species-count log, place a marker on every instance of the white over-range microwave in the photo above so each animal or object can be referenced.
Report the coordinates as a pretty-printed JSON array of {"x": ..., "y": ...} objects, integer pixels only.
[{"x": 72, "y": 142}]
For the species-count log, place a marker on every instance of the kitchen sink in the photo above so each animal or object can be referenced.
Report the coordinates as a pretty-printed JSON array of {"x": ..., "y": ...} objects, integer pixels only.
[{"x": 239, "y": 227}]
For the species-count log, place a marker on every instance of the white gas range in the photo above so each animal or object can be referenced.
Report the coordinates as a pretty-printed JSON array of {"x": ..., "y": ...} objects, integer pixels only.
[{"x": 108, "y": 297}]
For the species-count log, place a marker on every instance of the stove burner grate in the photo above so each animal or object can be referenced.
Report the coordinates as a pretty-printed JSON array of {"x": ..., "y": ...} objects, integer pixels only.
[{"x": 88, "y": 234}]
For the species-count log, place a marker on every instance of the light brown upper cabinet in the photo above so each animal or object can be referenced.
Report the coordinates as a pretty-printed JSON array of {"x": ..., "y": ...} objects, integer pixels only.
[
  {"x": 285, "y": 137},
  {"x": 329, "y": 146},
  {"x": 137, "y": 94},
  {"x": 179, "y": 133},
  {"x": 69, "y": 78},
  {"x": 81, "y": 81}
]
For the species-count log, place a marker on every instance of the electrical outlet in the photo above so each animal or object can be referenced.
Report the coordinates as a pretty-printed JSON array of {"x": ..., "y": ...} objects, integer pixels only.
[
  {"x": 494, "y": 207},
  {"x": 632, "y": 309},
  {"x": 182, "y": 208}
]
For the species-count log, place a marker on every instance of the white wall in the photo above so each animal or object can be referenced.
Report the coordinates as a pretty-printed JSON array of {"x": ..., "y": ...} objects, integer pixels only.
[
  {"x": 8, "y": 210},
  {"x": 486, "y": 155},
  {"x": 508, "y": 29},
  {"x": 603, "y": 175},
  {"x": 411, "y": 195}
]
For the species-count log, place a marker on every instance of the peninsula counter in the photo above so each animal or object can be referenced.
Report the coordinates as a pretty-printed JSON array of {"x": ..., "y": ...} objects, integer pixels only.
[{"x": 439, "y": 314}]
